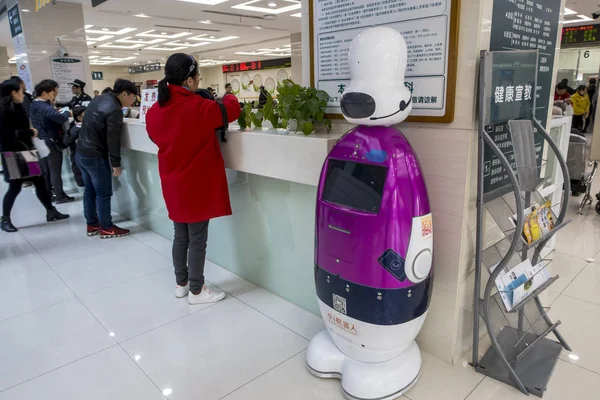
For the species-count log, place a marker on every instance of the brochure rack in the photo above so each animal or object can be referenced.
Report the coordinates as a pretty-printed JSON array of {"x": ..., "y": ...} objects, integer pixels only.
[{"x": 521, "y": 354}]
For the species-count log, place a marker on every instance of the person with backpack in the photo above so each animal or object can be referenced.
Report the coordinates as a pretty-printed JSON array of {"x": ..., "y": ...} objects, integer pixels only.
[
  {"x": 191, "y": 167},
  {"x": 49, "y": 123}
]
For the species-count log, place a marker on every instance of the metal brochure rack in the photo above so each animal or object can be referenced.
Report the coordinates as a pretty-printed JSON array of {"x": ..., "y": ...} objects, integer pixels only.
[{"x": 520, "y": 355}]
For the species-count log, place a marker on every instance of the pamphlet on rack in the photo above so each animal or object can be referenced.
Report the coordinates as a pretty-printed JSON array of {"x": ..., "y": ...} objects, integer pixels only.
[
  {"x": 539, "y": 221},
  {"x": 517, "y": 284}
]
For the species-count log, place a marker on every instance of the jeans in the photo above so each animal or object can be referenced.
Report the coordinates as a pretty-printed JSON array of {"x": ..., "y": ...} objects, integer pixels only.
[
  {"x": 52, "y": 168},
  {"x": 97, "y": 178},
  {"x": 14, "y": 188},
  {"x": 189, "y": 254}
]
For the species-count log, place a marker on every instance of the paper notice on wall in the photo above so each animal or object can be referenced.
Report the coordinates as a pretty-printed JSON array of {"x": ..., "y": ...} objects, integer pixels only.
[
  {"x": 64, "y": 71},
  {"x": 149, "y": 97}
]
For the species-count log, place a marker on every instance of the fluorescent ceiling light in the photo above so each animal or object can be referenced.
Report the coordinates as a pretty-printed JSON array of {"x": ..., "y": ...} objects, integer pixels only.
[
  {"x": 287, "y": 45},
  {"x": 568, "y": 11},
  {"x": 104, "y": 31},
  {"x": 205, "y": 2},
  {"x": 110, "y": 45},
  {"x": 297, "y": 15},
  {"x": 25, "y": 10},
  {"x": 258, "y": 27},
  {"x": 582, "y": 18},
  {"x": 93, "y": 57},
  {"x": 272, "y": 5},
  {"x": 139, "y": 41},
  {"x": 142, "y": 15},
  {"x": 99, "y": 38},
  {"x": 208, "y": 39},
  {"x": 288, "y": 5},
  {"x": 186, "y": 44},
  {"x": 206, "y": 22},
  {"x": 150, "y": 34},
  {"x": 273, "y": 50},
  {"x": 249, "y": 53}
]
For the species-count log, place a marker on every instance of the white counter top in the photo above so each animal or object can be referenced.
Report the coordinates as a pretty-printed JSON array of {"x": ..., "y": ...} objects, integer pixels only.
[{"x": 294, "y": 157}]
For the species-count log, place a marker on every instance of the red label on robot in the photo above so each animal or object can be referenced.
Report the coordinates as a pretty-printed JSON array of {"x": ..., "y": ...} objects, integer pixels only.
[
  {"x": 426, "y": 226},
  {"x": 342, "y": 324}
]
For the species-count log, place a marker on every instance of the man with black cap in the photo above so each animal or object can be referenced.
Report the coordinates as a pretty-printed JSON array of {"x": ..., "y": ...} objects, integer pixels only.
[{"x": 80, "y": 99}]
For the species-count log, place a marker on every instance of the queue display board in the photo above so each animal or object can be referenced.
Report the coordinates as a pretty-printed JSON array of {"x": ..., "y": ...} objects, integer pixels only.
[
  {"x": 140, "y": 69},
  {"x": 430, "y": 28},
  {"x": 580, "y": 36},
  {"x": 522, "y": 25},
  {"x": 258, "y": 65}
]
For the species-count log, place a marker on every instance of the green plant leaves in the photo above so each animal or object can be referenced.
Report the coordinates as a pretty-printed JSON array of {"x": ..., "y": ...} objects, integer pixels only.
[{"x": 308, "y": 128}]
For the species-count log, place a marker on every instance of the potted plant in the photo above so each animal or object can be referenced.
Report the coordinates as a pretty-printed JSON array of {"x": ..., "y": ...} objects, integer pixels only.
[{"x": 301, "y": 108}]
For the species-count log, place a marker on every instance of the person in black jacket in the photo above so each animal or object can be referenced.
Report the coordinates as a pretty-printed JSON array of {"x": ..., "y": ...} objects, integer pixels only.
[
  {"x": 70, "y": 141},
  {"x": 16, "y": 135},
  {"x": 49, "y": 124},
  {"x": 99, "y": 156},
  {"x": 28, "y": 97},
  {"x": 80, "y": 97}
]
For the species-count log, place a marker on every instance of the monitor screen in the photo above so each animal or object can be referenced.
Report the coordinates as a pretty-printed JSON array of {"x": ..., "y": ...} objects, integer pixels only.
[{"x": 355, "y": 185}]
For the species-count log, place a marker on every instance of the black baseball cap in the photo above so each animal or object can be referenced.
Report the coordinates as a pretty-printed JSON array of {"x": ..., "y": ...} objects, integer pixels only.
[{"x": 78, "y": 83}]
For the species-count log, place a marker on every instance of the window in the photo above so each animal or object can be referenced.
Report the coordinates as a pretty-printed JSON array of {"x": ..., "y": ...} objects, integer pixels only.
[{"x": 355, "y": 185}]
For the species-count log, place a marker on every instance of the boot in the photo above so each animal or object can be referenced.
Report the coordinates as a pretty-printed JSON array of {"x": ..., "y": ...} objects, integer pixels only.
[
  {"x": 7, "y": 226},
  {"x": 54, "y": 215}
]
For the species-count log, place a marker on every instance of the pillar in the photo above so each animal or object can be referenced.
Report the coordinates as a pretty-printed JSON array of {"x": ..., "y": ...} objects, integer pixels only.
[{"x": 296, "y": 43}]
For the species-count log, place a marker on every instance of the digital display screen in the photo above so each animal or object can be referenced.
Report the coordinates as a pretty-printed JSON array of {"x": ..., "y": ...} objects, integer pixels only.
[{"x": 355, "y": 185}]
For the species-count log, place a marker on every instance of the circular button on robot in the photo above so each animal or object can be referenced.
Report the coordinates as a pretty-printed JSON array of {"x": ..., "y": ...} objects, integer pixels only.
[{"x": 422, "y": 264}]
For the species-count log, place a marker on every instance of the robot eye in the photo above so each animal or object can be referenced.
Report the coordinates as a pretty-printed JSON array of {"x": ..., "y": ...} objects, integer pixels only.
[{"x": 357, "y": 105}]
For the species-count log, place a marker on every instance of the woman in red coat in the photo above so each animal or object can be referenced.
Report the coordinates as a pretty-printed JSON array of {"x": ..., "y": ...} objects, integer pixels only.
[{"x": 191, "y": 168}]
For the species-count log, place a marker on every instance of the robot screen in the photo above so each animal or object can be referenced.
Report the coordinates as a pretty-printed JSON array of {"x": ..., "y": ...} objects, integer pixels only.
[{"x": 355, "y": 185}]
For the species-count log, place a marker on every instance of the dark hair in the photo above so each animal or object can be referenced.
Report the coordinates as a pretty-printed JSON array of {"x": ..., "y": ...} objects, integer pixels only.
[
  {"x": 179, "y": 67},
  {"x": 565, "y": 81},
  {"x": 16, "y": 79},
  {"x": 593, "y": 81},
  {"x": 78, "y": 111},
  {"x": 561, "y": 86},
  {"x": 227, "y": 85},
  {"x": 47, "y": 85},
  {"x": 6, "y": 90},
  {"x": 581, "y": 87},
  {"x": 107, "y": 90},
  {"x": 124, "y": 85}
]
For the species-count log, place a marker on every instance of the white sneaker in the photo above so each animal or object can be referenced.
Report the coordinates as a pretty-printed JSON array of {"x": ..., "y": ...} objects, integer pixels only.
[
  {"x": 182, "y": 291},
  {"x": 207, "y": 295}
]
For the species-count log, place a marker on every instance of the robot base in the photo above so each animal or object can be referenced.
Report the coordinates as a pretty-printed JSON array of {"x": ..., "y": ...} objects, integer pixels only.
[{"x": 364, "y": 381}]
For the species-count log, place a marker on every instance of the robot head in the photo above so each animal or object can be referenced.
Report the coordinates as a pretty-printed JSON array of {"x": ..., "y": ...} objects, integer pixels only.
[{"x": 377, "y": 94}]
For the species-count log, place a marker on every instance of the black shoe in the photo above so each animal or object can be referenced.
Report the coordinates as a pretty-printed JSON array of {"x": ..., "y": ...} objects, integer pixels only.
[
  {"x": 54, "y": 215},
  {"x": 7, "y": 226},
  {"x": 65, "y": 199}
]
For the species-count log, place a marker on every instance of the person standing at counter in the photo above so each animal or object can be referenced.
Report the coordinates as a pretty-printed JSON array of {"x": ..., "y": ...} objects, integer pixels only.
[
  {"x": 49, "y": 123},
  {"x": 98, "y": 156},
  {"x": 191, "y": 169}
]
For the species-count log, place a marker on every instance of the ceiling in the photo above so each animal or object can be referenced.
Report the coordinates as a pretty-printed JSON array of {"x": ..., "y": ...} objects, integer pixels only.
[
  {"x": 131, "y": 32},
  {"x": 582, "y": 11}
]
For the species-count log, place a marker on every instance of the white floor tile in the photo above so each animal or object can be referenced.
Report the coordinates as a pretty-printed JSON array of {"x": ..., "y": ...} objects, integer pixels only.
[
  {"x": 213, "y": 352},
  {"x": 568, "y": 382},
  {"x": 581, "y": 238},
  {"x": 580, "y": 327},
  {"x": 41, "y": 341},
  {"x": 290, "y": 381},
  {"x": 138, "y": 306},
  {"x": 29, "y": 291},
  {"x": 567, "y": 267},
  {"x": 17, "y": 255},
  {"x": 442, "y": 381},
  {"x": 110, "y": 374},
  {"x": 304, "y": 323},
  {"x": 162, "y": 245},
  {"x": 587, "y": 285},
  {"x": 226, "y": 280},
  {"x": 124, "y": 263}
]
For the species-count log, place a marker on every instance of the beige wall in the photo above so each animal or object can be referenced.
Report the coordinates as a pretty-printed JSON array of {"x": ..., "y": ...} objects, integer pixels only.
[
  {"x": 112, "y": 73},
  {"x": 213, "y": 77}
]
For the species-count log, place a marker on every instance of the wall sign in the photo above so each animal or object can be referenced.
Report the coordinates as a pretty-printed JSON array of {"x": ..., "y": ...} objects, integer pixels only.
[
  {"x": 14, "y": 21},
  {"x": 149, "y": 97},
  {"x": 140, "y": 69},
  {"x": 64, "y": 71},
  {"x": 97, "y": 75},
  {"x": 578, "y": 36},
  {"x": 258, "y": 65},
  {"x": 524, "y": 25},
  {"x": 20, "y": 47},
  {"x": 430, "y": 28}
]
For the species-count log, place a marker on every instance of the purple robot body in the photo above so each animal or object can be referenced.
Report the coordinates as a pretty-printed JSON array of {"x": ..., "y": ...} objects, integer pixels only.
[{"x": 371, "y": 195}]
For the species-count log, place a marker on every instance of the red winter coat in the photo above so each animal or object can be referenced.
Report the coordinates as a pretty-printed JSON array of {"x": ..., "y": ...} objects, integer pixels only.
[{"x": 190, "y": 163}]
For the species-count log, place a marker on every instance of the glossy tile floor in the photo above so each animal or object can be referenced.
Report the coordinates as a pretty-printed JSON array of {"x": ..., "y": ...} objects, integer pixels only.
[{"x": 82, "y": 318}]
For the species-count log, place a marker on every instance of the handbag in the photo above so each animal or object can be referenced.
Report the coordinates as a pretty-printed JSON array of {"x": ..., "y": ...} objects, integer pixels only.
[{"x": 22, "y": 164}]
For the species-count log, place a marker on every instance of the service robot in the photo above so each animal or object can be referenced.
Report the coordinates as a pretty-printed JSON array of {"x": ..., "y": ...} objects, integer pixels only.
[{"x": 374, "y": 237}]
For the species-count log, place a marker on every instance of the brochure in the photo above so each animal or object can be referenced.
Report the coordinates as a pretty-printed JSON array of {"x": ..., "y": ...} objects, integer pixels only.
[
  {"x": 518, "y": 283},
  {"x": 539, "y": 221}
]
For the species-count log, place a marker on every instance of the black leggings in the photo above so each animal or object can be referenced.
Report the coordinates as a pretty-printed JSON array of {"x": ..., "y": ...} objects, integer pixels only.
[{"x": 14, "y": 188}]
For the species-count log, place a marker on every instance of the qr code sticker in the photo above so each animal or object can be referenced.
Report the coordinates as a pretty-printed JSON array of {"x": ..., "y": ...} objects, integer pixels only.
[
  {"x": 339, "y": 304},
  {"x": 426, "y": 226}
]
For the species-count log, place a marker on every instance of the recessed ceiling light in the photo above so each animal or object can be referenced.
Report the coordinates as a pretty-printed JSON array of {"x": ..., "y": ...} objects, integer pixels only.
[
  {"x": 272, "y": 5},
  {"x": 163, "y": 33},
  {"x": 44, "y": 51},
  {"x": 137, "y": 357},
  {"x": 25, "y": 10},
  {"x": 574, "y": 357},
  {"x": 258, "y": 27},
  {"x": 142, "y": 15},
  {"x": 206, "y": 22},
  {"x": 167, "y": 391},
  {"x": 211, "y": 37},
  {"x": 136, "y": 54},
  {"x": 105, "y": 29}
]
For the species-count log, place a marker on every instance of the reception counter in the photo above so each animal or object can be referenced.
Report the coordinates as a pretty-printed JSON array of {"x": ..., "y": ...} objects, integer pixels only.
[{"x": 273, "y": 180}]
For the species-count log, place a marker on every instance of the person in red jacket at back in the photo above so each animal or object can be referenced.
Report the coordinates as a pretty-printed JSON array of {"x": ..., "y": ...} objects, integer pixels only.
[{"x": 191, "y": 169}]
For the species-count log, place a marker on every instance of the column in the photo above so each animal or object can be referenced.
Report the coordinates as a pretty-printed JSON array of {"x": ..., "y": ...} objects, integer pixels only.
[{"x": 296, "y": 42}]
